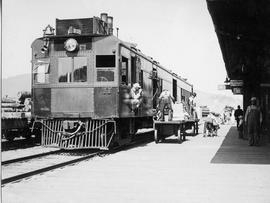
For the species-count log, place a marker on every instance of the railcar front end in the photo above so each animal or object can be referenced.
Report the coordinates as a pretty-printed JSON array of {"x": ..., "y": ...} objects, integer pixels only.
[{"x": 74, "y": 85}]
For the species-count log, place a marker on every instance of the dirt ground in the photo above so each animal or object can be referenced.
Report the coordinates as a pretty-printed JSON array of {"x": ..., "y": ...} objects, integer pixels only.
[{"x": 201, "y": 169}]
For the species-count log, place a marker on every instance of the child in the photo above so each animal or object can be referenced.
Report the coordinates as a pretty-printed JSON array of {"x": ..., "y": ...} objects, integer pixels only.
[{"x": 240, "y": 127}]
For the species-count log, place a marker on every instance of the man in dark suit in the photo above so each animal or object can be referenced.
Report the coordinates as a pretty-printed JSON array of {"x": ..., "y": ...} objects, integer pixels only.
[{"x": 238, "y": 112}]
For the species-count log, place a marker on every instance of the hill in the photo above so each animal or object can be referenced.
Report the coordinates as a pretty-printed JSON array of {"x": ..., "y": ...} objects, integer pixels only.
[
  {"x": 216, "y": 102},
  {"x": 12, "y": 85}
]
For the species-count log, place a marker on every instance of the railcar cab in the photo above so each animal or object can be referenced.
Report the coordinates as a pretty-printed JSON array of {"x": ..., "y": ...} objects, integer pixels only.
[{"x": 75, "y": 71}]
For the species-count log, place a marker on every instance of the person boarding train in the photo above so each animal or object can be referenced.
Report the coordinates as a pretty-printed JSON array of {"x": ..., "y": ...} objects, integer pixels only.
[{"x": 165, "y": 102}]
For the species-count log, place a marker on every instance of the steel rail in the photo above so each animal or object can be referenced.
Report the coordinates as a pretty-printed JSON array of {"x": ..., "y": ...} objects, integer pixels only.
[
  {"x": 136, "y": 142},
  {"x": 45, "y": 169},
  {"x": 10, "y": 161}
]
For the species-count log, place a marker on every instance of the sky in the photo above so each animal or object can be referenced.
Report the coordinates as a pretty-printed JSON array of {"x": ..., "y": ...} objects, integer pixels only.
[{"x": 179, "y": 34}]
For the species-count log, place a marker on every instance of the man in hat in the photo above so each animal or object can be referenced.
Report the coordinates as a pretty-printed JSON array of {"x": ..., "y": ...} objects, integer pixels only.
[
  {"x": 136, "y": 96},
  {"x": 165, "y": 100},
  {"x": 192, "y": 105},
  {"x": 253, "y": 120},
  {"x": 237, "y": 113}
]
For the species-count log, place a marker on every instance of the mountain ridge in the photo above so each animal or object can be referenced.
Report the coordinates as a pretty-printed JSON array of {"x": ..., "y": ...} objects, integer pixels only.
[{"x": 216, "y": 102}]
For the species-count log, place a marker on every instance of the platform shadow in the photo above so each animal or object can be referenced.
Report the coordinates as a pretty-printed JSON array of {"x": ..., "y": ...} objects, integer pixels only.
[
  {"x": 19, "y": 144},
  {"x": 237, "y": 151}
]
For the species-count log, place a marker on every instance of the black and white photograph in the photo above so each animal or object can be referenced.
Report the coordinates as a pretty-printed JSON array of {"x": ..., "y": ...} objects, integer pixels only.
[{"x": 135, "y": 101}]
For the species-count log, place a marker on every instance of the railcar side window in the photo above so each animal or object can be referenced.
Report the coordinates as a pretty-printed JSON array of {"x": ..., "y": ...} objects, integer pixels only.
[
  {"x": 141, "y": 78},
  {"x": 105, "y": 61},
  {"x": 105, "y": 65},
  {"x": 41, "y": 73},
  {"x": 105, "y": 76},
  {"x": 124, "y": 71},
  {"x": 72, "y": 69}
]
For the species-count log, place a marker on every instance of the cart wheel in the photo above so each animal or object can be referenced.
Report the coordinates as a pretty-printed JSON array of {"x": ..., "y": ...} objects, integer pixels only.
[
  {"x": 27, "y": 133},
  {"x": 194, "y": 129},
  {"x": 179, "y": 135},
  {"x": 184, "y": 136},
  {"x": 37, "y": 133},
  {"x": 156, "y": 136},
  {"x": 197, "y": 128}
]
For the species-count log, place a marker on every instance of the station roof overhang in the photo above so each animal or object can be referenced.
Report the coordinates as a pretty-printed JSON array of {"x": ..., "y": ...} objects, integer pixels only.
[{"x": 243, "y": 32}]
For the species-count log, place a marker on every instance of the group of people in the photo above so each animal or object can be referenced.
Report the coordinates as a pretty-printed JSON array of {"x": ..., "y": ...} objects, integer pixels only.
[
  {"x": 165, "y": 101},
  {"x": 211, "y": 126},
  {"x": 252, "y": 119},
  {"x": 250, "y": 122}
]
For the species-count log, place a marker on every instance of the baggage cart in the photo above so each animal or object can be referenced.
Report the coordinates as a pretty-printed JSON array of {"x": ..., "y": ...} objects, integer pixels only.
[{"x": 163, "y": 129}]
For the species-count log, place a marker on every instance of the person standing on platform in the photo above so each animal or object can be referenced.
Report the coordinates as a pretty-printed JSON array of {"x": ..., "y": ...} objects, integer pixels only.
[
  {"x": 238, "y": 112},
  {"x": 253, "y": 120},
  {"x": 241, "y": 127},
  {"x": 192, "y": 105}
]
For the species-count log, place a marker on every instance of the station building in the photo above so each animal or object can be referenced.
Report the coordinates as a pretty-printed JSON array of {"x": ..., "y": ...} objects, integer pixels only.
[{"x": 243, "y": 32}]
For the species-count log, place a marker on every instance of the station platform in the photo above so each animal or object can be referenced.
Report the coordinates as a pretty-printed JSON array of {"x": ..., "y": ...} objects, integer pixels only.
[{"x": 201, "y": 169}]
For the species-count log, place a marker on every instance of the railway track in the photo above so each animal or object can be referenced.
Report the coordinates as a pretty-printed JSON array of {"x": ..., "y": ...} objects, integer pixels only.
[
  {"x": 17, "y": 169},
  {"x": 20, "y": 168},
  {"x": 10, "y": 161}
]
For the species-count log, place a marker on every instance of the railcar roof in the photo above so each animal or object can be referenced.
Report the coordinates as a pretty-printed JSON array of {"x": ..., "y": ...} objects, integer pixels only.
[{"x": 131, "y": 46}]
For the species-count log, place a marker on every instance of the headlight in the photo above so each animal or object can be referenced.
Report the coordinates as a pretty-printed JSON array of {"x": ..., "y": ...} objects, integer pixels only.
[{"x": 71, "y": 44}]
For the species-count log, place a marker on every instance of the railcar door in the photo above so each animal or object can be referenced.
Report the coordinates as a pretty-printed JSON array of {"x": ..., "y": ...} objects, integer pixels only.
[
  {"x": 156, "y": 89},
  {"x": 124, "y": 69},
  {"x": 135, "y": 69},
  {"x": 175, "y": 89}
]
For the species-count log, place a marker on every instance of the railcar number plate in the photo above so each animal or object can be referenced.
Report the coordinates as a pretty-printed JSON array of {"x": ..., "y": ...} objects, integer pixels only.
[{"x": 106, "y": 91}]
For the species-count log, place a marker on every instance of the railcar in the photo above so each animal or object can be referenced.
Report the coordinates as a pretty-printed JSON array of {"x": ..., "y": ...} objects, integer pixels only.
[{"x": 82, "y": 78}]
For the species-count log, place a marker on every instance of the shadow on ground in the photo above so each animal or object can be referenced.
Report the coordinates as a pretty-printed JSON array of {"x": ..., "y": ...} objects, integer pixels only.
[
  {"x": 236, "y": 151},
  {"x": 172, "y": 140},
  {"x": 19, "y": 144}
]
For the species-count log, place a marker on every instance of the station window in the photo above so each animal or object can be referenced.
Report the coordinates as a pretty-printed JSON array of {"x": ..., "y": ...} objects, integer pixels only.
[
  {"x": 72, "y": 69},
  {"x": 41, "y": 73}
]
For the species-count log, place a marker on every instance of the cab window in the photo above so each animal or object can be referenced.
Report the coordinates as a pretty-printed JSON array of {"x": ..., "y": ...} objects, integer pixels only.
[
  {"x": 72, "y": 69},
  {"x": 105, "y": 66},
  {"x": 41, "y": 73},
  {"x": 80, "y": 69}
]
